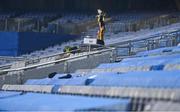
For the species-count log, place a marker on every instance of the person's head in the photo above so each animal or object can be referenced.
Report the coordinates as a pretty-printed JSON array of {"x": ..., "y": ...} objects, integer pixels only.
[{"x": 99, "y": 11}]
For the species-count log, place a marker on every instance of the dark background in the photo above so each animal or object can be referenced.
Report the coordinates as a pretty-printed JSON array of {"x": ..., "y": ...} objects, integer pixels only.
[{"x": 88, "y": 5}]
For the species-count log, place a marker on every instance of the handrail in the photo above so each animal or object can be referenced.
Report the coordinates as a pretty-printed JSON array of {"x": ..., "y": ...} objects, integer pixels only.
[
  {"x": 125, "y": 42},
  {"x": 61, "y": 53},
  {"x": 167, "y": 37},
  {"x": 8, "y": 65},
  {"x": 56, "y": 61},
  {"x": 53, "y": 55},
  {"x": 5, "y": 65},
  {"x": 147, "y": 38},
  {"x": 13, "y": 58},
  {"x": 45, "y": 57}
]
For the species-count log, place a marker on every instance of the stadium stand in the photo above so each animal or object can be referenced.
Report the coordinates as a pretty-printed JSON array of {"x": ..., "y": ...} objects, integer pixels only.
[
  {"x": 161, "y": 82},
  {"x": 137, "y": 69}
]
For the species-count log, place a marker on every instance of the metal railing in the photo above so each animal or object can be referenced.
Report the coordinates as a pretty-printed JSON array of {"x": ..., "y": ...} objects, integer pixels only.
[
  {"x": 153, "y": 42},
  {"x": 131, "y": 48},
  {"x": 38, "y": 64}
]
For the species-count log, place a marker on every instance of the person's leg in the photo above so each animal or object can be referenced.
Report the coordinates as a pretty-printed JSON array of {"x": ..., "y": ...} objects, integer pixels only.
[
  {"x": 98, "y": 35},
  {"x": 102, "y": 34}
]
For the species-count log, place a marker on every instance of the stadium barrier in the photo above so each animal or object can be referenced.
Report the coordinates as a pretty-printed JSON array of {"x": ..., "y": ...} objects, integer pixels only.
[
  {"x": 64, "y": 65},
  {"x": 171, "y": 94},
  {"x": 19, "y": 43},
  {"x": 59, "y": 62},
  {"x": 141, "y": 99}
]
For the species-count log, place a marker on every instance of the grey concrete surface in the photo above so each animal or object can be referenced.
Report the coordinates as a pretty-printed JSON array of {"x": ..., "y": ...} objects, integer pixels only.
[
  {"x": 170, "y": 67},
  {"x": 70, "y": 66},
  {"x": 88, "y": 62},
  {"x": 162, "y": 106},
  {"x": 28, "y": 88},
  {"x": 154, "y": 93}
]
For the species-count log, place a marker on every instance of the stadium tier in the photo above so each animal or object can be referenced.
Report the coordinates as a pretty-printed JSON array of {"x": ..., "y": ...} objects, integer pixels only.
[
  {"x": 156, "y": 83},
  {"x": 90, "y": 55}
]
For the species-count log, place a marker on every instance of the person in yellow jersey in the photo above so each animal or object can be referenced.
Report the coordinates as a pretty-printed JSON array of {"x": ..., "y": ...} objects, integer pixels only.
[{"x": 101, "y": 23}]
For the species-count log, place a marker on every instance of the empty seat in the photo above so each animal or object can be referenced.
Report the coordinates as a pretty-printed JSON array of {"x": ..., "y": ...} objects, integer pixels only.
[
  {"x": 52, "y": 102},
  {"x": 154, "y": 79}
]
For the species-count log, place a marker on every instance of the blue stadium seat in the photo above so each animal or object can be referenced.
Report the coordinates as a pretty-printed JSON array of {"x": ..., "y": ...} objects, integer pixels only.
[
  {"x": 50, "y": 102},
  {"x": 144, "y": 61},
  {"x": 159, "y": 51},
  {"x": 153, "y": 79}
]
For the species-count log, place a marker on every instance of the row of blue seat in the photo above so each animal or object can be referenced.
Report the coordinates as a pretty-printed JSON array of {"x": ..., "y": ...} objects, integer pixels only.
[
  {"x": 153, "y": 79},
  {"x": 17, "y": 101},
  {"x": 175, "y": 49},
  {"x": 144, "y": 61}
]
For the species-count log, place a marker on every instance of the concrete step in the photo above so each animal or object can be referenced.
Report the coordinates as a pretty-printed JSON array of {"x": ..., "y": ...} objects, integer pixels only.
[
  {"x": 121, "y": 92},
  {"x": 29, "y": 88}
]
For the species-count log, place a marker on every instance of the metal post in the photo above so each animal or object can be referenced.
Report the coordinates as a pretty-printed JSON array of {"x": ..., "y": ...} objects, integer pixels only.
[
  {"x": 129, "y": 48},
  {"x": 66, "y": 70},
  {"x": 89, "y": 48},
  {"x": 19, "y": 25},
  {"x": 57, "y": 27},
  {"x": 38, "y": 25},
  {"x": 156, "y": 43},
  {"x": 20, "y": 79},
  {"x": 6, "y": 24},
  {"x": 113, "y": 56},
  {"x": 148, "y": 45},
  {"x": 174, "y": 41}
]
